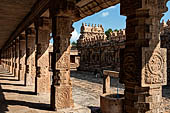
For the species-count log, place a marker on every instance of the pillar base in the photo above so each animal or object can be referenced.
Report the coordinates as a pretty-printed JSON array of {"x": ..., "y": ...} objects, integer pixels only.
[
  {"x": 143, "y": 100},
  {"x": 43, "y": 84},
  {"x": 63, "y": 97}
]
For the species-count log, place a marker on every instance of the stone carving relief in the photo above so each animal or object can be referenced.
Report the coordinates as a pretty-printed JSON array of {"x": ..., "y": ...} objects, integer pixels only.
[
  {"x": 63, "y": 61},
  {"x": 154, "y": 67},
  {"x": 131, "y": 65},
  {"x": 63, "y": 97}
]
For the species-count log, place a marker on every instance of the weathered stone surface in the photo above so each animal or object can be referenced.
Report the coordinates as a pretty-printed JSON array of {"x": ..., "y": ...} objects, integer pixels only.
[
  {"x": 61, "y": 32},
  {"x": 43, "y": 75},
  {"x": 97, "y": 52},
  {"x": 31, "y": 56},
  {"x": 110, "y": 103},
  {"x": 143, "y": 62},
  {"x": 23, "y": 57}
]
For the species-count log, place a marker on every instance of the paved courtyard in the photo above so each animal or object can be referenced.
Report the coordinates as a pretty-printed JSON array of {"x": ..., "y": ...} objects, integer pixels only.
[{"x": 16, "y": 98}]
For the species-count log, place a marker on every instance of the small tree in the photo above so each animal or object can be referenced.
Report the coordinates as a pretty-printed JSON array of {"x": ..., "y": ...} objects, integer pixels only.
[
  {"x": 116, "y": 30},
  {"x": 108, "y": 32},
  {"x": 74, "y": 43}
]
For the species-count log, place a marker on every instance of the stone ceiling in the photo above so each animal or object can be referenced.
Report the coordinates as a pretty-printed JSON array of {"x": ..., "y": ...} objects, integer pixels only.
[
  {"x": 12, "y": 12},
  {"x": 16, "y": 15}
]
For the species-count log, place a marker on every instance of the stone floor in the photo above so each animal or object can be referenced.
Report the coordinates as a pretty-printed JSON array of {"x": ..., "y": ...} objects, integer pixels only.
[{"x": 16, "y": 98}]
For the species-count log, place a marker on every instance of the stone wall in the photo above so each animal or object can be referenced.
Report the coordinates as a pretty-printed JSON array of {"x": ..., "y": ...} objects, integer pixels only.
[{"x": 98, "y": 51}]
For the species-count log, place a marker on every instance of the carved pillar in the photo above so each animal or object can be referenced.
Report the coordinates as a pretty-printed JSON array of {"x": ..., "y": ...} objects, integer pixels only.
[
  {"x": 2, "y": 58},
  {"x": 13, "y": 58},
  {"x": 11, "y": 68},
  {"x": 8, "y": 57},
  {"x": 143, "y": 62},
  {"x": 61, "y": 88},
  {"x": 5, "y": 59},
  {"x": 17, "y": 57},
  {"x": 31, "y": 55},
  {"x": 26, "y": 67},
  {"x": 22, "y": 56},
  {"x": 42, "y": 55}
]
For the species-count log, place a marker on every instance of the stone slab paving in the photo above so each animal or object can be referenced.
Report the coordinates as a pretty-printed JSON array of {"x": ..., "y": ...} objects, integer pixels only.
[
  {"x": 90, "y": 89},
  {"x": 16, "y": 98}
]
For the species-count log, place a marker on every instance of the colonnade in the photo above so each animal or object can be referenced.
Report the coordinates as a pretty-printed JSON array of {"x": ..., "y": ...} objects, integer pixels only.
[{"x": 142, "y": 62}]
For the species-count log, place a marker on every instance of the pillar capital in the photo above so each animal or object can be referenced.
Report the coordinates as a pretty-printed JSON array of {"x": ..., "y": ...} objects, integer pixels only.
[
  {"x": 22, "y": 37},
  {"x": 30, "y": 30},
  {"x": 43, "y": 23},
  {"x": 62, "y": 8}
]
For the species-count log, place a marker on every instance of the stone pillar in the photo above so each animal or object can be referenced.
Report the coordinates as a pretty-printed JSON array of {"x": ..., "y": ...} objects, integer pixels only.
[
  {"x": 17, "y": 57},
  {"x": 61, "y": 88},
  {"x": 143, "y": 62},
  {"x": 42, "y": 55},
  {"x": 31, "y": 56},
  {"x": 22, "y": 56},
  {"x": 5, "y": 59},
  {"x": 11, "y": 59},
  {"x": 26, "y": 67},
  {"x": 15, "y": 63},
  {"x": 8, "y": 57}
]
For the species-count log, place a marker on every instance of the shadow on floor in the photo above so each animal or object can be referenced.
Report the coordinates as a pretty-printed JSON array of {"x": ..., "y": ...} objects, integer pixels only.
[
  {"x": 4, "y": 103},
  {"x": 3, "y": 106},
  {"x": 9, "y": 79},
  {"x": 20, "y": 92},
  {"x": 6, "y": 76},
  {"x": 12, "y": 84},
  {"x": 40, "y": 106},
  {"x": 94, "y": 109}
]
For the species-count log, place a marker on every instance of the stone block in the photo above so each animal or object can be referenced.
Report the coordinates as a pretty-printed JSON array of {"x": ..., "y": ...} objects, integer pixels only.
[{"x": 63, "y": 96}]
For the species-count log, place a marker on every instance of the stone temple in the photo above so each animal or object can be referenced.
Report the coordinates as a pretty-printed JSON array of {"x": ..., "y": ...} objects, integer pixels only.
[
  {"x": 96, "y": 51},
  {"x": 139, "y": 55}
]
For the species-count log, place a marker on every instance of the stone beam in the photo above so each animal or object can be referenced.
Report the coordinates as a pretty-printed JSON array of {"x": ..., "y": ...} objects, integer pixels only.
[
  {"x": 38, "y": 9},
  {"x": 84, "y": 8}
]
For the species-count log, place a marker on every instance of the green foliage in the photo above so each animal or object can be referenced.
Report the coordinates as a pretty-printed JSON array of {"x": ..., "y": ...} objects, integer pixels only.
[
  {"x": 116, "y": 30},
  {"x": 74, "y": 43},
  {"x": 108, "y": 32}
]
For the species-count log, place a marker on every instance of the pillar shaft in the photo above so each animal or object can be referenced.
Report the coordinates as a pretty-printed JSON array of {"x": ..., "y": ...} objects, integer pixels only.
[
  {"x": 61, "y": 88},
  {"x": 42, "y": 55},
  {"x": 26, "y": 59},
  {"x": 143, "y": 62},
  {"x": 15, "y": 58},
  {"x": 22, "y": 56},
  {"x": 31, "y": 55}
]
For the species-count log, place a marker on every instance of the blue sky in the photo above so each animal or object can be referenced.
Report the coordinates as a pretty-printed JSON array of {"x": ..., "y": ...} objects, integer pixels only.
[{"x": 109, "y": 18}]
